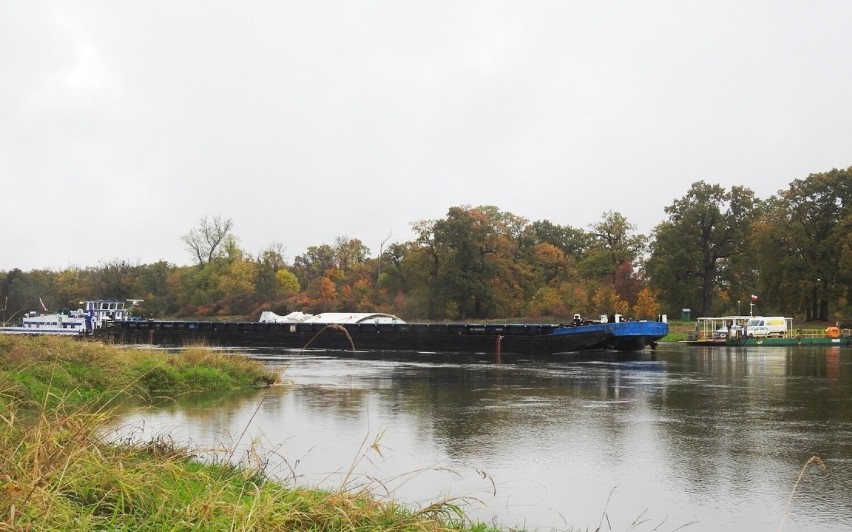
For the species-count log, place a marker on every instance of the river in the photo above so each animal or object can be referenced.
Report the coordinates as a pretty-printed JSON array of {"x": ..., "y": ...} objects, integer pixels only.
[{"x": 699, "y": 438}]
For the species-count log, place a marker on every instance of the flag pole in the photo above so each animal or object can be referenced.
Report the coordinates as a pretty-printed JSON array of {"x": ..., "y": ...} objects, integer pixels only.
[{"x": 751, "y": 305}]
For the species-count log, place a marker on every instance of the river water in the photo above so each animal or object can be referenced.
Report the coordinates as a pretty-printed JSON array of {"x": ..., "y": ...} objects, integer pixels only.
[{"x": 700, "y": 438}]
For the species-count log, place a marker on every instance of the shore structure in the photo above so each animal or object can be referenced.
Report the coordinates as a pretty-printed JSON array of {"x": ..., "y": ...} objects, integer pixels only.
[{"x": 736, "y": 331}]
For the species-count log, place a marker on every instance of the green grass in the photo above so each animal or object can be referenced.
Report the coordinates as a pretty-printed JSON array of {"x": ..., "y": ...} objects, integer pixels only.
[
  {"x": 58, "y": 397},
  {"x": 678, "y": 331},
  {"x": 33, "y": 368}
]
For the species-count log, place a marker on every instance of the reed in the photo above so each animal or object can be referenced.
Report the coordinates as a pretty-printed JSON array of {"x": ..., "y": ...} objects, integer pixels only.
[{"x": 812, "y": 460}]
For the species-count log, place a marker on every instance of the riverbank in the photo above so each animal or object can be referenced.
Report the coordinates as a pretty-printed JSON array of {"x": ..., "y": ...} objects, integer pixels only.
[{"x": 58, "y": 396}]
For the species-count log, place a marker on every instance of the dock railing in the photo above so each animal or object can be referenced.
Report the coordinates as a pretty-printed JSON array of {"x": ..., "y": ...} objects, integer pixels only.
[{"x": 816, "y": 333}]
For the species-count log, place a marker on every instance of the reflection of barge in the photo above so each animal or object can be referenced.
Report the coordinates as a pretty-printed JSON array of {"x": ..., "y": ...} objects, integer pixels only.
[{"x": 378, "y": 333}]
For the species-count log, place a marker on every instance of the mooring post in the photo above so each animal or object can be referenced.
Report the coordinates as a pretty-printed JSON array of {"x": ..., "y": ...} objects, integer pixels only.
[
  {"x": 151, "y": 336},
  {"x": 498, "y": 349}
]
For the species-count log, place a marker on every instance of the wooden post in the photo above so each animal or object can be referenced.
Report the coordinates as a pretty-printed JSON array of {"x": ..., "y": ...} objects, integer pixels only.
[{"x": 498, "y": 350}]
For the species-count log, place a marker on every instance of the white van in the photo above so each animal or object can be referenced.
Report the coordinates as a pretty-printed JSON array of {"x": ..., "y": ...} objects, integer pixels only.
[{"x": 762, "y": 327}]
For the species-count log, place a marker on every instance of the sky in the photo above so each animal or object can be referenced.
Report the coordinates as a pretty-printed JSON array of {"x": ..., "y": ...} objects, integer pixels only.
[{"x": 123, "y": 124}]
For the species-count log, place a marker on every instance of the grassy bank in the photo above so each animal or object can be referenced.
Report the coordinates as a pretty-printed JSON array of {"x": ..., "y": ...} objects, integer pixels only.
[
  {"x": 678, "y": 331},
  {"x": 59, "y": 395}
]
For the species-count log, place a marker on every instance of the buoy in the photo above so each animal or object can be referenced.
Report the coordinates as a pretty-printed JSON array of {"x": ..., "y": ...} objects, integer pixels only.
[{"x": 833, "y": 332}]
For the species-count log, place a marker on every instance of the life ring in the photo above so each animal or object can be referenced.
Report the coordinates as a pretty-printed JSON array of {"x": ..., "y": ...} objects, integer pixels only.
[{"x": 833, "y": 332}]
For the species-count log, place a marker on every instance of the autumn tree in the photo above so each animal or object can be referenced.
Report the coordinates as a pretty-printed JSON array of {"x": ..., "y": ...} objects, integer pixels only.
[
  {"x": 571, "y": 241},
  {"x": 314, "y": 263},
  {"x": 343, "y": 264},
  {"x": 612, "y": 244},
  {"x": 647, "y": 306}
]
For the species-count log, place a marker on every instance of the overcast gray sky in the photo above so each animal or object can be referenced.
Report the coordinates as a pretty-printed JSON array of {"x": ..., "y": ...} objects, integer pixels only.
[{"x": 122, "y": 124}]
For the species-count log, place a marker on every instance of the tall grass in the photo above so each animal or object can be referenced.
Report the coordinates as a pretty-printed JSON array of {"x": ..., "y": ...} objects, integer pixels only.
[
  {"x": 30, "y": 367},
  {"x": 58, "y": 397},
  {"x": 57, "y": 474}
]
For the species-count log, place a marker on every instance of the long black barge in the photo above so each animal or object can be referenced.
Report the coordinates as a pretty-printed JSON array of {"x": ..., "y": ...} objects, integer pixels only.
[{"x": 486, "y": 339}]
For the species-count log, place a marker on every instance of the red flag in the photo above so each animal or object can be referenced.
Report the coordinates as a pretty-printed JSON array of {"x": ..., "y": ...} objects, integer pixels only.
[{"x": 753, "y": 297}]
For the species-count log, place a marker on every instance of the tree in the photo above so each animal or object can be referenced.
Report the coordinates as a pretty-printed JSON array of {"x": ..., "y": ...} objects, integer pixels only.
[
  {"x": 286, "y": 282},
  {"x": 705, "y": 228},
  {"x": 349, "y": 252},
  {"x": 209, "y": 239},
  {"x": 612, "y": 245},
  {"x": 804, "y": 242},
  {"x": 7, "y": 296},
  {"x": 572, "y": 242},
  {"x": 153, "y": 286},
  {"x": 467, "y": 238},
  {"x": 112, "y": 280},
  {"x": 646, "y": 306},
  {"x": 427, "y": 260},
  {"x": 549, "y": 262},
  {"x": 269, "y": 263},
  {"x": 547, "y": 302},
  {"x": 314, "y": 263},
  {"x": 612, "y": 253}
]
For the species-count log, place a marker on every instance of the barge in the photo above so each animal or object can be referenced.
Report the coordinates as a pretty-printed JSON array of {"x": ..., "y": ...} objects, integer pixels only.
[{"x": 386, "y": 333}]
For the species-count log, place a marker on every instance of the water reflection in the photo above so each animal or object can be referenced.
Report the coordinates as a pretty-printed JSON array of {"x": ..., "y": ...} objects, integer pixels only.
[{"x": 712, "y": 437}]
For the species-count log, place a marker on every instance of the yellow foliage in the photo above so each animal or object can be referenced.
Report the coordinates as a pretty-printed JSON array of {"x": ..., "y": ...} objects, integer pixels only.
[{"x": 646, "y": 306}]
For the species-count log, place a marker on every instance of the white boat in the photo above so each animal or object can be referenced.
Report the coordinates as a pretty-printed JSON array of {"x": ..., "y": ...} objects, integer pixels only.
[{"x": 96, "y": 314}]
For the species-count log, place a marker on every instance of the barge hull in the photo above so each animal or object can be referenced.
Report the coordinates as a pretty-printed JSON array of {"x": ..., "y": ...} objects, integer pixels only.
[{"x": 509, "y": 339}]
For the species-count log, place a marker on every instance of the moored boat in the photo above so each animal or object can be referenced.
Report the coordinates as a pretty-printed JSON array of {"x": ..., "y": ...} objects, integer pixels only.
[
  {"x": 94, "y": 315},
  {"x": 387, "y": 333}
]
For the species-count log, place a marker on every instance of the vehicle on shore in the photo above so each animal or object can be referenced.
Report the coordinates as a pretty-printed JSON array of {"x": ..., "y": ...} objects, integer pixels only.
[
  {"x": 768, "y": 327},
  {"x": 734, "y": 330}
]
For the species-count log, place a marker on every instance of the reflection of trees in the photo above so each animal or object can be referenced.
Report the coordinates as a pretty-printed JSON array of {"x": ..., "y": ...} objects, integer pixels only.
[
  {"x": 488, "y": 406},
  {"x": 821, "y": 404},
  {"x": 754, "y": 417},
  {"x": 330, "y": 401}
]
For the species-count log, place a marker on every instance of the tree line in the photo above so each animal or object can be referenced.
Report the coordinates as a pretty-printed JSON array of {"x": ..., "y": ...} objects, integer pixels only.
[{"x": 715, "y": 250}]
